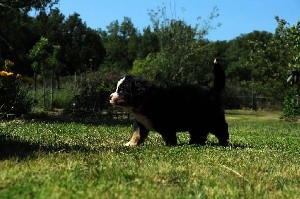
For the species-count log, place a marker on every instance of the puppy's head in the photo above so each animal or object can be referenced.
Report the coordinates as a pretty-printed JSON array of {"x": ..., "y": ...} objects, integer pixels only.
[{"x": 129, "y": 93}]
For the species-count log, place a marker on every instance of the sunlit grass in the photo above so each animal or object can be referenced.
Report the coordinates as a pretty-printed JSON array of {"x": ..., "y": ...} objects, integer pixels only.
[{"x": 68, "y": 160}]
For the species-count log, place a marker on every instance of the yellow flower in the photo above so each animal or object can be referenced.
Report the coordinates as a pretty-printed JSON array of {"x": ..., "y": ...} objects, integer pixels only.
[{"x": 5, "y": 73}]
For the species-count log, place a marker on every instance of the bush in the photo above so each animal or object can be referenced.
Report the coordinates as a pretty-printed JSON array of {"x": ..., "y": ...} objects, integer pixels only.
[
  {"x": 95, "y": 90},
  {"x": 14, "y": 97}
]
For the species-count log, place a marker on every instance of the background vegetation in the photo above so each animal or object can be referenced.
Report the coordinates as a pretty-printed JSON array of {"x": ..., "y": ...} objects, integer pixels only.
[
  {"x": 49, "y": 47},
  {"x": 51, "y": 61}
]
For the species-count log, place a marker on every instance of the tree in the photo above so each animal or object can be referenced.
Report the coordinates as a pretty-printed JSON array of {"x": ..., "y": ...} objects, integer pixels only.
[
  {"x": 17, "y": 33},
  {"x": 50, "y": 25},
  {"x": 16, "y": 38},
  {"x": 271, "y": 59},
  {"x": 238, "y": 53},
  {"x": 149, "y": 43},
  {"x": 121, "y": 42},
  {"x": 82, "y": 48},
  {"x": 288, "y": 42},
  {"x": 27, "y": 5},
  {"x": 44, "y": 56}
]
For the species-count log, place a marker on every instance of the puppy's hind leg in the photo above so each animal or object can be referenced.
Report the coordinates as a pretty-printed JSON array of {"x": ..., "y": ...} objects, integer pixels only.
[
  {"x": 140, "y": 133},
  {"x": 198, "y": 137},
  {"x": 169, "y": 138},
  {"x": 221, "y": 132}
]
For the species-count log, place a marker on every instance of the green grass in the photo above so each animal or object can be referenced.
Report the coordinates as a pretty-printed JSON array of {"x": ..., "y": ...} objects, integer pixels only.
[{"x": 68, "y": 160}]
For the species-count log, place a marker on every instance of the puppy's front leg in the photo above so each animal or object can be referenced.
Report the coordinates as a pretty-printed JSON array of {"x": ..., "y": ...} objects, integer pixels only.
[{"x": 140, "y": 133}]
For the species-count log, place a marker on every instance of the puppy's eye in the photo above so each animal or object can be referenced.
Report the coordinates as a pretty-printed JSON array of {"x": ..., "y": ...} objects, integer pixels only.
[{"x": 121, "y": 92}]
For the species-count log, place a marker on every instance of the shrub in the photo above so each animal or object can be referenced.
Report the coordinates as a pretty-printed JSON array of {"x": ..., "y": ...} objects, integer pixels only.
[
  {"x": 14, "y": 94},
  {"x": 94, "y": 92},
  {"x": 291, "y": 106}
]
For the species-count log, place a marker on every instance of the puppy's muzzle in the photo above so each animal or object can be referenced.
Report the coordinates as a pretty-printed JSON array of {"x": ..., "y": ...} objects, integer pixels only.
[{"x": 115, "y": 99}]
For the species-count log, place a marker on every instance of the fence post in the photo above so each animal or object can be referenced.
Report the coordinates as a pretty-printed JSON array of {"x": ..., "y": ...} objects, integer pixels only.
[{"x": 254, "y": 101}]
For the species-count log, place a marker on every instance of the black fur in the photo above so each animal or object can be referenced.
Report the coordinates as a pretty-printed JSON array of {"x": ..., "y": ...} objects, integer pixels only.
[{"x": 168, "y": 110}]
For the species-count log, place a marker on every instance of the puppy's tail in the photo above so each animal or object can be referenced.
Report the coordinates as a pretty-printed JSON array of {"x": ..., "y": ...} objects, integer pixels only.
[{"x": 219, "y": 78}]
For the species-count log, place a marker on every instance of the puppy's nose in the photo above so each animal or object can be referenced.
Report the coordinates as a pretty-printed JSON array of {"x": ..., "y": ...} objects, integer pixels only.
[{"x": 111, "y": 95}]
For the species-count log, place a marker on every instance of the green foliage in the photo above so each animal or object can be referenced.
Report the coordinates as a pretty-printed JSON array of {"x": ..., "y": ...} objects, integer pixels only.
[{"x": 68, "y": 160}]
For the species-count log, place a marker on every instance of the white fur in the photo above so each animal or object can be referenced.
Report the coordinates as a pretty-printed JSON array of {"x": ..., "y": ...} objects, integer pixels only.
[
  {"x": 143, "y": 120},
  {"x": 115, "y": 94},
  {"x": 119, "y": 83}
]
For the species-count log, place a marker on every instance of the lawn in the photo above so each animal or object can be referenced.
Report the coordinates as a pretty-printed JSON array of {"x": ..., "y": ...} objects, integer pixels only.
[{"x": 72, "y": 160}]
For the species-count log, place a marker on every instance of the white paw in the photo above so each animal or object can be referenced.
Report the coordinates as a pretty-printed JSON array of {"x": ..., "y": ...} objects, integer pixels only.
[
  {"x": 130, "y": 144},
  {"x": 127, "y": 144}
]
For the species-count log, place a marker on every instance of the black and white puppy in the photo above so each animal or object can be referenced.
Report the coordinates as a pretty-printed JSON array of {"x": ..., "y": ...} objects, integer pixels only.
[{"x": 195, "y": 109}]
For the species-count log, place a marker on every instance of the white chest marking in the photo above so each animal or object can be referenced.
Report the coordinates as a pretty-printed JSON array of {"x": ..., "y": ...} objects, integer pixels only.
[
  {"x": 119, "y": 83},
  {"x": 143, "y": 120}
]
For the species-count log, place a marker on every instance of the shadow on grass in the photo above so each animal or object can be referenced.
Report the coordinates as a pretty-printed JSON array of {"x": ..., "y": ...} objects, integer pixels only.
[
  {"x": 210, "y": 144},
  {"x": 240, "y": 146},
  {"x": 11, "y": 148},
  {"x": 241, "y": 112},
  {"x": 90, "y": 119},
  {"x": 15, "y": 147}
]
